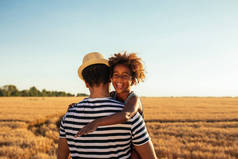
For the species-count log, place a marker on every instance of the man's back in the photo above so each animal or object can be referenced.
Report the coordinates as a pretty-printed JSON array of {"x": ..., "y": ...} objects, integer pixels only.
[{"x": 106, "y": 142}]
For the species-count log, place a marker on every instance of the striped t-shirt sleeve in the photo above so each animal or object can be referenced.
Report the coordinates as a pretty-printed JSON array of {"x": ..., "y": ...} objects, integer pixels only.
[
  {"x": 139, "y": 132},
  {"x": 62, "y": 133}
]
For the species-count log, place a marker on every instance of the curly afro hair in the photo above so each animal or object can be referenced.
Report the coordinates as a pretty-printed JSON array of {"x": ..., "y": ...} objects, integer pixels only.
[{"x": 133, "y": 62}]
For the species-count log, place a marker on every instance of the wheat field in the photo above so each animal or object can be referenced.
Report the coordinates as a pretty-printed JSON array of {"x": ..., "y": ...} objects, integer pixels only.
[{"x": 191, "y": 128}]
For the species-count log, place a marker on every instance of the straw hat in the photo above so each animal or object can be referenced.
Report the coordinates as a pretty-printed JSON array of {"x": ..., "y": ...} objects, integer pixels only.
[{"x": 91, "y": 59}]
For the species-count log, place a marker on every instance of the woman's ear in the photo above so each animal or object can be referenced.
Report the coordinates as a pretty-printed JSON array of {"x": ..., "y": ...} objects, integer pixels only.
[{"x": 133, "y": 82}]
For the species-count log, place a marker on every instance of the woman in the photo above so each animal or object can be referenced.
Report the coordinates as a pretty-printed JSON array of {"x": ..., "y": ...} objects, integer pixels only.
[{"x": 126, "y": 70}]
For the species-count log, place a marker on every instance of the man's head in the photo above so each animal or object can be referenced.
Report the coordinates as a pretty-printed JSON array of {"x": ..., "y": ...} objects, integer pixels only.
[{"x": 94, "y": 69}]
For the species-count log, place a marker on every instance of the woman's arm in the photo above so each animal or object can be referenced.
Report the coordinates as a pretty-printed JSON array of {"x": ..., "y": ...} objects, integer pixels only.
[{"x": 130, "y": 109}]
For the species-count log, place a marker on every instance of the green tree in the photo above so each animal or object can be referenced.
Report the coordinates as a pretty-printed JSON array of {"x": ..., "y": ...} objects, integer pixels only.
[
  {"x": 10, "y": 90},
  {"x": 81, "y": 94},
  {"x": 33, "y": 91},
  {"x": 1, "y": 92},
  {"x": 45, "y": 93},
  {"x": 24, "y": 93}
]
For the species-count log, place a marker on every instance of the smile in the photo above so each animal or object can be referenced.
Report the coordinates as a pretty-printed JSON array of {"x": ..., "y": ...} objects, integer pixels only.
[{"x": 119, "y": 85}]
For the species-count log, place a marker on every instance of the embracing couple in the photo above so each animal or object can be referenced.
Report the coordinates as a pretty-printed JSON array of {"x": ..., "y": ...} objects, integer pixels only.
[{"x": 107, "y": 124}]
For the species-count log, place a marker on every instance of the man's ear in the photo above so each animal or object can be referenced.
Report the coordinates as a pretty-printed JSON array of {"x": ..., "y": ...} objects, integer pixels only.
[{"x": 86, "y": 84}]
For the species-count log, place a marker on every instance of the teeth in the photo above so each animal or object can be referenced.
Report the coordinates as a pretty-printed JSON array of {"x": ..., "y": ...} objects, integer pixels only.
[{"x": 119, "y": 85}]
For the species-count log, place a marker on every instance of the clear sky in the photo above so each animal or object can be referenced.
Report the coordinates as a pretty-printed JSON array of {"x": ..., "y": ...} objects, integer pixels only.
[{"x": 189, "y": 48}]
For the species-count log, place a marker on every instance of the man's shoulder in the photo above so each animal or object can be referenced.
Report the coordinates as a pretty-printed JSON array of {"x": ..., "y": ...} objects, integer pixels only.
[
  {"x": 113, "y": 100},
  {"x": 99, "y": 101}
]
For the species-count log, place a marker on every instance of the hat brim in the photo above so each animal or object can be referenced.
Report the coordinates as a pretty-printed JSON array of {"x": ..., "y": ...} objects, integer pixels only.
[{"x": 91, "y": 62}]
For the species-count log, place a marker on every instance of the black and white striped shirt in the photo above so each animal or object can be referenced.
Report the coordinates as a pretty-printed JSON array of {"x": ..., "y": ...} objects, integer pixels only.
[{"x": 113, "y": 141}]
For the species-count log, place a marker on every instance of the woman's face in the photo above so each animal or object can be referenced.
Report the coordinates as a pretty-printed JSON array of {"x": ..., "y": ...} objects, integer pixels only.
[{"x": 121, "y": 79}]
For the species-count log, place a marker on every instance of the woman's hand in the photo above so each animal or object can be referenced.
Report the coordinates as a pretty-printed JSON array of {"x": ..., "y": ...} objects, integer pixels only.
[
  {"x": 90, "y": 127},
  {"x": 71, "y": 105}
]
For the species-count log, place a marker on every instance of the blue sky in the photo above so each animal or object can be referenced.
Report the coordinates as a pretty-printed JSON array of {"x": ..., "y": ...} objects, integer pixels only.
[{"x": 189, "y": 48}]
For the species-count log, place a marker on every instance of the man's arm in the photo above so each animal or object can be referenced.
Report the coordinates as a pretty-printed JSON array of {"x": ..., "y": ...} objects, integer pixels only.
[
  {"x": 63, "y": 149},
  {"x": 146, "y": 151},
  {"x": 141, "y": 139}
]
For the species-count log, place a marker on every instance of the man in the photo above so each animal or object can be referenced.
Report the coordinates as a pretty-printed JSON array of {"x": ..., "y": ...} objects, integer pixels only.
[{"x": 112, "y": 141}]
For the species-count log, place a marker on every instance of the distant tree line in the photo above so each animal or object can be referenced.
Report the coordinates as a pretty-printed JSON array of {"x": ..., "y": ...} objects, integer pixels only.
[{"x": 11, "y": 90}]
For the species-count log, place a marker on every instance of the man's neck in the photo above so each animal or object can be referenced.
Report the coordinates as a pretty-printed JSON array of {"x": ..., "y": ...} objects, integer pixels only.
[{"x": 100, "y": 91}]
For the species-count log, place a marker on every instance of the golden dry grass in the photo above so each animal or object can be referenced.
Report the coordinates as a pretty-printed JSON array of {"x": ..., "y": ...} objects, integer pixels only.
[
  {"x": 28, "y": 126},
  {"x": 195, "y": 128},
  {"x": 32, "y": 108}
]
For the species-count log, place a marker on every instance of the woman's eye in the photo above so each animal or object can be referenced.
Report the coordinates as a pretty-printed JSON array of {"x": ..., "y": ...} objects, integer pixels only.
[
  {"x": 115, "y": 75},
  {"x": 125, "y": 77}
]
